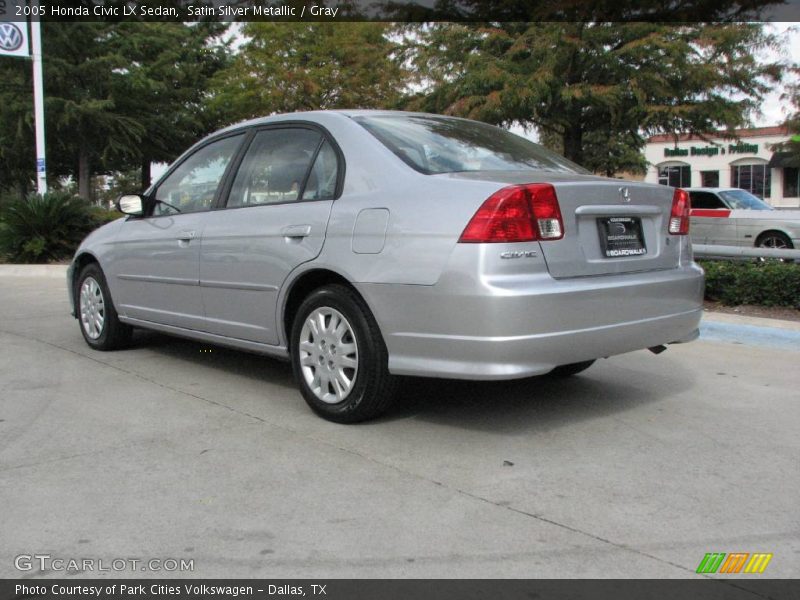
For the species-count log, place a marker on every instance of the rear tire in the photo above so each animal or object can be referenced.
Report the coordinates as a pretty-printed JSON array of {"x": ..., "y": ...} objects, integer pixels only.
[
  {"x": 339, "y": 358},
  {"x": 571, "y": 369},
  {"x": 97, "y": 317}
]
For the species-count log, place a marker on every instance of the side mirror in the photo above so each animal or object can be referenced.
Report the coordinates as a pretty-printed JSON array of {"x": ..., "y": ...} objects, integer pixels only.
[{"x": 131, "y": 204}]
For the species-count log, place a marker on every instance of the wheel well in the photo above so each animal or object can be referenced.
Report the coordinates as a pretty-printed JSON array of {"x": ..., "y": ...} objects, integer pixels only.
[
  {"x": 302, "y": 287},
  {"x": 80, "y": 262},
  {"x": 763, "y": 234}
]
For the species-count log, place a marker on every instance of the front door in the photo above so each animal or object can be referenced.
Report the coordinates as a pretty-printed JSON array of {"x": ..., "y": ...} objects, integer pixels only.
[
  {"x": 274, "y": 219},
  {"x": 156, "y": 264}
]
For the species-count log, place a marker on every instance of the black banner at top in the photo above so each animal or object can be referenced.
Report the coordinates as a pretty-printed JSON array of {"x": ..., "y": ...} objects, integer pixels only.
[{"x": 403, "y": 10}]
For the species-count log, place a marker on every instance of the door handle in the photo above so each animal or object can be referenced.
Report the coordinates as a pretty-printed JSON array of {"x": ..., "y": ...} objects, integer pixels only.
[
  {"x": 186, "y": 236},
  {"x": 296, "y": 231}
]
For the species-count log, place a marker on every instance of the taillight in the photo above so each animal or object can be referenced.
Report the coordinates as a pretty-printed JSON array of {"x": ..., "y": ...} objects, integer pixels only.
[
  {"x": 518, "y": 213},
  {"x": 679, "y": 217}
]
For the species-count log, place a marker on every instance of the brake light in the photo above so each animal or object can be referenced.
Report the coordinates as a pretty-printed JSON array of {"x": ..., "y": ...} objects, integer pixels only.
[
  {"x": 518, "y": 213},
  {"x": 679, "y": 217}
]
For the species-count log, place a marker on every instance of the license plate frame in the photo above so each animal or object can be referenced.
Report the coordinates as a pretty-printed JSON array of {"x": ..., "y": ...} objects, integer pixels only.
[{"x": 621, "y": 237}]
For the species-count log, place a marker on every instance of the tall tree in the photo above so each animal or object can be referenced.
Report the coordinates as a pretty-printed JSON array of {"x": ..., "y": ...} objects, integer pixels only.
[
  {"x": 117, "y": 96},
  {"x": 16, "y": 126},
  {"x": 165, "y": 84},
  {"x": 595, "y": 90},
  {"x": 285, "y": 67}
]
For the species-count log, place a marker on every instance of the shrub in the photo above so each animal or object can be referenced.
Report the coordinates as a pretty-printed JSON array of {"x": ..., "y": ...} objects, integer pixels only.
[
  {"x": 766, "y": 284},
  {"x": 46, "y": 228}
]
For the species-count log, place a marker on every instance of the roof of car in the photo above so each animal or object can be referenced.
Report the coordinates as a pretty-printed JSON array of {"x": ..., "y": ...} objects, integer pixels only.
[
  {"x": 304, "y": 115},
  {"x": 711, "y": 189}
]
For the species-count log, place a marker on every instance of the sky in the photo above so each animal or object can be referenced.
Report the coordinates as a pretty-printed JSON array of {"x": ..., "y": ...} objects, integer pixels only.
[{"x": 775, "y": 110}]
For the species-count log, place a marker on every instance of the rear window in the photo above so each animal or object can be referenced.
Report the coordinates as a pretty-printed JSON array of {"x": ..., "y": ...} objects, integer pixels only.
[{"x": 432, "y": 145}]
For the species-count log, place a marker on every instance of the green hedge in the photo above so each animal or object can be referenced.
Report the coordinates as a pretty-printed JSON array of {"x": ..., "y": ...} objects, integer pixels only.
[
  {"x": 769, "y": 283},
  {"x": 47, "y": 228}
]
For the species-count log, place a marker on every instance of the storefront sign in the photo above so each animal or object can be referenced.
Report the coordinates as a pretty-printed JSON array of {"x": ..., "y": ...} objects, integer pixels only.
[{"x": 740, "y": 148}]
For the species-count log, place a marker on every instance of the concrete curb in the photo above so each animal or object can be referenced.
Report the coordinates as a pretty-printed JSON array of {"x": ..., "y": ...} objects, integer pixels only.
[
  {"x": 50, "y": 271},
  {"x": 727, "y": 318}
]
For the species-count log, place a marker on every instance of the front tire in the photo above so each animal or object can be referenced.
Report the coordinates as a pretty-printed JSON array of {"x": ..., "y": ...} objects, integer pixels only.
[
  {"x": 774, "y": 239},
  {"x": 97, "y": 317},
  {"x": 339, "y": 358}
]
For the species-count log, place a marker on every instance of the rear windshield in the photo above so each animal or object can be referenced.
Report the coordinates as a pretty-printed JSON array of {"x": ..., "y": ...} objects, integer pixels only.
[{"x": 432, "y": 145}]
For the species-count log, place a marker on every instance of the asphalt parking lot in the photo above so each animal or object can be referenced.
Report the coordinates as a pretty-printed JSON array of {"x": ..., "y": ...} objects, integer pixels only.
[{"x": 174, "y": 449}]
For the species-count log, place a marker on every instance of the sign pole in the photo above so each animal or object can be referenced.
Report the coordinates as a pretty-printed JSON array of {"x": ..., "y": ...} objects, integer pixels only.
[{"x": 38, "y": 105}]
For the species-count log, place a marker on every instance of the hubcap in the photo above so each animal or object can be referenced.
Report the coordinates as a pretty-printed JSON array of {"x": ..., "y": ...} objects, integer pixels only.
[
  {"x": 328, "y": 355},
  {"x": 774, "y": 242},
  {"x": 92, "y": 304}
]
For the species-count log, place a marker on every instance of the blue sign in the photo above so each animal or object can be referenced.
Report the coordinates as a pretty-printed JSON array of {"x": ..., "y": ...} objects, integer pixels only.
[{"x": 40, "y": 165}]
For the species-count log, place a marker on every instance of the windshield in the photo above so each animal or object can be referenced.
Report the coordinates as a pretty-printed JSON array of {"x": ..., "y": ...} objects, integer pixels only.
[
  {"x": 432, "y": 145},
  {"x": 739, "y": 199}
]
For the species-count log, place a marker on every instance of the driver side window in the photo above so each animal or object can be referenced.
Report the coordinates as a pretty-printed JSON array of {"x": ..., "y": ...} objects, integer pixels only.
[{"x": 193, "y": 186}]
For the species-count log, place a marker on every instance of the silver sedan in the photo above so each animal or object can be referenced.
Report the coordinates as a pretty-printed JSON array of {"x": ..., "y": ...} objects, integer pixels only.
[{"x": 365, "y": 245}]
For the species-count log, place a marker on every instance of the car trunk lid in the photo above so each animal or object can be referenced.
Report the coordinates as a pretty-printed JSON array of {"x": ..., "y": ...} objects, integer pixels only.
[{"x": 610, "y": 226}]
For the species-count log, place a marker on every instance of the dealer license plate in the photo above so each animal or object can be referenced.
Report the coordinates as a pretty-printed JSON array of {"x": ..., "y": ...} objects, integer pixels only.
[{"x": 621, "y": 236}]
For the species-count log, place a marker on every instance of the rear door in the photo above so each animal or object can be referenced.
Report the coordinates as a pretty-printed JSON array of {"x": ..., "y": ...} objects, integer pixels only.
[
  {"x": 711, "y": 221},
  {"x": 612, "y": 227},
  {"x": 274, "y": 219}
]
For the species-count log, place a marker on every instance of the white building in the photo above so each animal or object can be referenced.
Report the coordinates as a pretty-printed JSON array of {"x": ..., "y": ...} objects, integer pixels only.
[{"x": 746, "y": 161}]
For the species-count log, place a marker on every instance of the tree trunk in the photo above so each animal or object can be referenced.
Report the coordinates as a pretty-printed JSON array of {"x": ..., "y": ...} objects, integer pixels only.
[
  {"x": 84, "y": 175},
  {"x": 22, "y": 189},
  {"x": 146, "y": 177},
  {"x": 573, "y": 143}
]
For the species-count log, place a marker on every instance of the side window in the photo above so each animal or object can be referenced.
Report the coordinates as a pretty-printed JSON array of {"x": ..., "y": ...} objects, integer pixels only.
[
  {"x": 275, "y": 167},
  {"x": 705, "y": 200},
  {"x": 321, "y": 184},
  {"x": 193, "y": 185}
]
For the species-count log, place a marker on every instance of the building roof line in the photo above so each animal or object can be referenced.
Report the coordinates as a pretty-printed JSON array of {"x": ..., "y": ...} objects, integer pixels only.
[{"x": 776, "y": 130}]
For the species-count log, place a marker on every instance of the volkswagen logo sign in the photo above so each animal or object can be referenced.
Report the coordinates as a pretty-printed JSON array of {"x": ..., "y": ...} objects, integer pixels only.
[
  {"x": 625, "y": 194},
  {"x": 10, "y": 37}
]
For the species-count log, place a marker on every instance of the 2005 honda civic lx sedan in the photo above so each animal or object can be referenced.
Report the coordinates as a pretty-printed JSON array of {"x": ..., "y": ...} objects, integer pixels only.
[{"x": 367, "y": 245}]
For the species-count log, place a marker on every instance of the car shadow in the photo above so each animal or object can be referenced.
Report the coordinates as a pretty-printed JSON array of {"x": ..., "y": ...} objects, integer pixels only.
[
  {"x": 532, "y": 404},
  {"x": 238, "y": 362},
  {"x": 537, "y": 403}
]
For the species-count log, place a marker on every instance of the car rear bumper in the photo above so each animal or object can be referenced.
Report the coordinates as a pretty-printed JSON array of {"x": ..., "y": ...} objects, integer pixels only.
[{"x": 509, "y": 329}]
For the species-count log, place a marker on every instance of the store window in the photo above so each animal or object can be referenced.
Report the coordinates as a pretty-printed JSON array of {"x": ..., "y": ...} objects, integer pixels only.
[
  {"x": 675, "y": 175},
  {"x": 709, "y": 178},
  {"x": 791, "y": 182},
  {"x": 752, "y": 178}
]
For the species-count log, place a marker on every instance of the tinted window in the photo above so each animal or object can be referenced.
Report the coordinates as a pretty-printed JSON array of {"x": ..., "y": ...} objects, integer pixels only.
[
  {"x": 321, "y": 184},
  {"x": 755, "y": 179},
  {"x": 675, "y": 176},
  {"x": 446, "y": 145},
  {"x": 193, "y": 186},
  {"x": 275, "y": 167},
  {"x": 705, "y": 200},
  {"x": 791, "y": 182},
  {"x": 709, "y": 178}
]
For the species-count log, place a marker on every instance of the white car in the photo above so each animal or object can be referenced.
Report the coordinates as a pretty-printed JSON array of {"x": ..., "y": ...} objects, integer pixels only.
[{"x": 734, "y": 217}]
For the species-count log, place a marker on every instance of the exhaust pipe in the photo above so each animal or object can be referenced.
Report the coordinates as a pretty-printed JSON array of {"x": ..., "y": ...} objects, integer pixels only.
[{"x": 657, "y": 349}]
